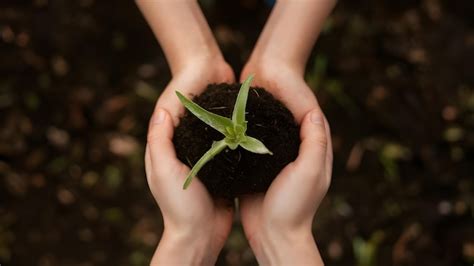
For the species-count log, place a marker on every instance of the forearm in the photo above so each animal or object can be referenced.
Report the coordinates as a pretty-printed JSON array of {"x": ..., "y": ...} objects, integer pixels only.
[
  {"x": 178, "y": 249},
  {"x": 291, "y": 31},
  {"x": 181, "y": 29}
]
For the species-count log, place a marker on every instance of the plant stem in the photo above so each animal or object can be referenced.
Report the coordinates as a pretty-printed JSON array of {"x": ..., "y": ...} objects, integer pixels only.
[{"x": 216, "y": 148}]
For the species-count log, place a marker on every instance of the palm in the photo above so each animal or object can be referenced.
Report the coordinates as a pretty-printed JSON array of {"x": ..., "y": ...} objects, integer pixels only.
[
  {"x": 285, "y": 84},
  {"x": 193, "y": 208},
  {"x": 192, "y": 81},
  {"x": 284, "y": 204},
  {"x": 295, "y": 194}
]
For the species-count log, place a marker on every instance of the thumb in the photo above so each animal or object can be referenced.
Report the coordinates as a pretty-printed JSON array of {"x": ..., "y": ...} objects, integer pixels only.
[
  {"x": 301, "y": 185},
  {"x": 314, "y": 142},
  {"x": 160, "y": 143}
]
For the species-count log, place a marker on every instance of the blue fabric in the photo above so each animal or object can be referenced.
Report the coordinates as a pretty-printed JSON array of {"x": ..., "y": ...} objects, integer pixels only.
[{"x": 270, "y": 2}]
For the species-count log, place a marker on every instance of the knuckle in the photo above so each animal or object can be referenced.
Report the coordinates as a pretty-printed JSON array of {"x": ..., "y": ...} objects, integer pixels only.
[
  {"x": 321, "y": 141},
  {"x": 152, "y": 136}
]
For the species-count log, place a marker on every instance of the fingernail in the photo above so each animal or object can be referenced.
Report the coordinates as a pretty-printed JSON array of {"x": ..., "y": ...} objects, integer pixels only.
[
  {"x": 316, "y": 118},
  {"x": 159, "y": 116}
]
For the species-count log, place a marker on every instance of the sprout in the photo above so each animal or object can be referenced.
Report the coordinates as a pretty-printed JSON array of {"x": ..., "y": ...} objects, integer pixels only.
[{"x": 233, "y": 130}]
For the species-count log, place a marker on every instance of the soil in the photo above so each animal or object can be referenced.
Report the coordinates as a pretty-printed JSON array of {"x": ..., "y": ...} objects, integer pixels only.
[
  {"x": 79, "y": 81},
  {"x": 237, "y": 172}
]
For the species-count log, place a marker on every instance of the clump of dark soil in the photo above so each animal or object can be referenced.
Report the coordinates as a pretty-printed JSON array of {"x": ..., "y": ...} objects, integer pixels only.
[{"x": 237, "y": 172}]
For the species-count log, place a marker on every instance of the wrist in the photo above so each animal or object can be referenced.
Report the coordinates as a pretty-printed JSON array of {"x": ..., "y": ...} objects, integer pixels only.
[
  {"x": 206, "y": 67},
  {"x": 206, "y": 58},
  {"x": 181, "y": 29},
  {"x": 291, "y": 31},
  {"x": 277, "y": 247},
  {"x": 269, "y": 66},
  {"x": 182, "y": 248}
]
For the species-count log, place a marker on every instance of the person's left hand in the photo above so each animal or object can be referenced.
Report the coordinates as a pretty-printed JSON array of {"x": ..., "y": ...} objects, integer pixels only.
[
  {"x": 285, "y": 82},
  {"x": 278, "y": 223}
]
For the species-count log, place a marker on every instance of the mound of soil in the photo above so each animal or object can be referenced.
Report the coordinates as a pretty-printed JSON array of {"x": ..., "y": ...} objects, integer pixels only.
[{"x": 236, "y": 172}]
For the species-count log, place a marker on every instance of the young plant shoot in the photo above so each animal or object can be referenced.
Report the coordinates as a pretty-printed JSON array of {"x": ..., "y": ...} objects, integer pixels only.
[{"x": 233, "y": 130}]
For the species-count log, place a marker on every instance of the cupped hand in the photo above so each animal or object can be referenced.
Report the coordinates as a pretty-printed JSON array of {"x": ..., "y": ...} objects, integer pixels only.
[
  {"x": 278, "y": 224},
  {"x": 196, "y": 226},
  {"x": 285, "y": 82},
  {"x": 192, "y": 80}
]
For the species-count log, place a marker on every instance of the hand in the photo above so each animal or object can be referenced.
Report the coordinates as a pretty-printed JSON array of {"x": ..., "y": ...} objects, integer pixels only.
[
  {"x": 285, "y": 82},
  {"x": 278, "y": 224},
  {"x": 192, "y": 80},
  {"x": 195, "y": 226},
  {"x": 190, "y": 49},
  {"x": 282, "y": 50}
]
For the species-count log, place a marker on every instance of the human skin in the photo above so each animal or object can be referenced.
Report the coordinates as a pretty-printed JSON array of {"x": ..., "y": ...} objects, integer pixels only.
[
  {"x": 282, "y": 50},
  {"x": 278, "y": 224},
  {"x": 195, "y": 226},
  {"x": 190, "y": 49}
]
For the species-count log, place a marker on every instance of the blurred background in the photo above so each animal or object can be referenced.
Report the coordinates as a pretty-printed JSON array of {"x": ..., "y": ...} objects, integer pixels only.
[{"x": 79, "y": 79}]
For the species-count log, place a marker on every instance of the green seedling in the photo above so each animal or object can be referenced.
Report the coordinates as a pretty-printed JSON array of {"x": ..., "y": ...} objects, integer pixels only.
[{"x": 233, "y": 129}]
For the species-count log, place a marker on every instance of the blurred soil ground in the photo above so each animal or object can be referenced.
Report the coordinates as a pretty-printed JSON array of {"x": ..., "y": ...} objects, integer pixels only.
[{"x": 78, "y": 81}]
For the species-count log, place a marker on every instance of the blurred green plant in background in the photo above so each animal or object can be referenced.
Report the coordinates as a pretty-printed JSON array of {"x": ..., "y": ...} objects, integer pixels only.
[
  {"x": 79, "y": 80},
  {"x": 366, "y": 251}
]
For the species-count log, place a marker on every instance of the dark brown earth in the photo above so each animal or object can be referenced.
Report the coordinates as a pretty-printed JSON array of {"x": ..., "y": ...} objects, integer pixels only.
[
  {"x": 79, "y": 81},
  {"x": 237, "y": 172}
]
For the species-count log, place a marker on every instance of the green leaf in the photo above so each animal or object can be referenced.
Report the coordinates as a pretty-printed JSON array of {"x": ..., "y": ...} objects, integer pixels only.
[
  {"x": 217, "y": 122},
  {"x": 231, "y": 143},
  {"x": 230, "y": 131},
  {"x": 238, "y": 115},
  {"x": 233, "y": 130},
  {"x": 217, "y": 147},
  {"x": 254, "y": 145},
  {"x": 240, "y": 129}
]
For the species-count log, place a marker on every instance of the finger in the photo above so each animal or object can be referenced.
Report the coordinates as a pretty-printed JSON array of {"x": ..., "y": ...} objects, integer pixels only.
[
  {"x": 148, "y": 164},
  {"x": 163, "y": 157},
  {"x": 168, "y": 172},
  {"x": 329, "y": 151},
  {"x": 170, "y": 102},
  {"x": 250, "y": 209},
  {"x": 160, "y": 144},
  {"x": 300, "y": 186},
  {"x": 314, "y": 143},
  {"x": 306, "y": 101}
]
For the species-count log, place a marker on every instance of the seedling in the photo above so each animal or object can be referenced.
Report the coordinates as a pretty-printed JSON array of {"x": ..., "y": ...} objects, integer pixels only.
[{"x": 233, "y": 130}]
